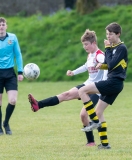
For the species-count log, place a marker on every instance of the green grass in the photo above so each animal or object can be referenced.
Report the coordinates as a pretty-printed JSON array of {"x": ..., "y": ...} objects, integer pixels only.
[{"x": 54, "y": 133}]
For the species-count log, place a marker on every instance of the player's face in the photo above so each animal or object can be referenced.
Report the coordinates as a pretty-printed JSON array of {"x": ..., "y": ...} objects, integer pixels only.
[
  {"x": 3, "y": 28},
  {"x": 112, "y": 37},
  {"x": 88, "y": 46}
]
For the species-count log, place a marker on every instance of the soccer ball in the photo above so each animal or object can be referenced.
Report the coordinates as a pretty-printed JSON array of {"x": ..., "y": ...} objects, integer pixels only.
[{"x": 31, "y": 71}]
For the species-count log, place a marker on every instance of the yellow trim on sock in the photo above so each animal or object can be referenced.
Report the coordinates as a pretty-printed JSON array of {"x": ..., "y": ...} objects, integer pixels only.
[
  {"x": 102, "y": 134},
  {"x": 91, "y": 111},
  {"x": 88, "y": 104},
  {"x": 104, "y": 125},
  {"x": 104, "y": 141},
  {"x": 95, "y": 118}
]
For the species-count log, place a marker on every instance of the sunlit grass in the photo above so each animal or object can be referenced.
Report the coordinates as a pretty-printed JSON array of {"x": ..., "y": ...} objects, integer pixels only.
[{"x": 53, "y": 133}]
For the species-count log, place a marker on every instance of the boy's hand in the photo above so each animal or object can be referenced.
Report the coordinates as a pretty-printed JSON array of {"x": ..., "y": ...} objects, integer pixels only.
[
  {"x": 20, "y": 77},
  {"x": 98, "y": 65},
  {"x": 69, "y": 73},
  {"x": 106, "y": 42}
]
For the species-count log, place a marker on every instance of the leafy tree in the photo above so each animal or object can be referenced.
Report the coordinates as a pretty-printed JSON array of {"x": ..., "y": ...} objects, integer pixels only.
[{"x": 86, "y": 6}]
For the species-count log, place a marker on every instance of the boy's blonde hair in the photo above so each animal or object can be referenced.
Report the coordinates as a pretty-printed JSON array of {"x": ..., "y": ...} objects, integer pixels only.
[{"x": 89, "y": 36}]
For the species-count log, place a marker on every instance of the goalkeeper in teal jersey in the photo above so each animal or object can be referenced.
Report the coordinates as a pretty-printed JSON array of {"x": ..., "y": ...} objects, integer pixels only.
[{"x": 10, "y": 54}]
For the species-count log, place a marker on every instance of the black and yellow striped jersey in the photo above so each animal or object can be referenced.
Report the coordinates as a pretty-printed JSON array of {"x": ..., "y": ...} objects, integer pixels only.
[{"x": 116, "y": 61}]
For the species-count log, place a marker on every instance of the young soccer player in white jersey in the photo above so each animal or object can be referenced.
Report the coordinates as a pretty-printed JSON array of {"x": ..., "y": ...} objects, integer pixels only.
[{"x": 95, "y": 56}]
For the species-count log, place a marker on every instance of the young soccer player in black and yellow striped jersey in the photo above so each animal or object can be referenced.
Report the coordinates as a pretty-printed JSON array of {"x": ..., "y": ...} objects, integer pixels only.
[{"x": 116, "y": 60}]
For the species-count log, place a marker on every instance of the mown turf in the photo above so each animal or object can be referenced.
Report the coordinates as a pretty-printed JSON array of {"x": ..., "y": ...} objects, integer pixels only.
[{"x": 54, "y": 133}]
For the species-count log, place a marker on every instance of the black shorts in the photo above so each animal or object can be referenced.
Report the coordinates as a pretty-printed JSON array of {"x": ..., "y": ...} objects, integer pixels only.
[
  {"x": 109, "y": 89},
  {"x": 80, "y": 86},
  {"x": 8, "y": 80},
  {"x": 94, "y": 97}
]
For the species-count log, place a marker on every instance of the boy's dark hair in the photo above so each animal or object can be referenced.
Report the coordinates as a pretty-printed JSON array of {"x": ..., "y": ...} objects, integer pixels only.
[
  {"x": 2, "y": 19},
  {"x": 89, "y": 36},
  {"x": 114, "y": 27}
]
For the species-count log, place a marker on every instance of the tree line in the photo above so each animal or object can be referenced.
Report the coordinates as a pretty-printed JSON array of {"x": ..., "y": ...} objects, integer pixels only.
[{"x": 30, "y": 7}]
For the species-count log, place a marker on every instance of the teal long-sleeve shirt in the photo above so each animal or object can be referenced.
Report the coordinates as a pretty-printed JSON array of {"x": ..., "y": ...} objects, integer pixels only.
[{"x": 10, "y": 53}]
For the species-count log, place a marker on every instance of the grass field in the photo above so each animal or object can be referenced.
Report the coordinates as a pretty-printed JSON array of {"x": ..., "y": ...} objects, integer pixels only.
[{"x": 54, "y": 133}]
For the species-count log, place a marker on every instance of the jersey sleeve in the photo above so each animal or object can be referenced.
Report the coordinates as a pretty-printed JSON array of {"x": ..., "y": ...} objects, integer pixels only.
[
  {"x": 81, "y": 69},
  {"x": 100, "y": 58},
  {"x": 114, "y": 60},
  {"x": 18, "y": 56}
]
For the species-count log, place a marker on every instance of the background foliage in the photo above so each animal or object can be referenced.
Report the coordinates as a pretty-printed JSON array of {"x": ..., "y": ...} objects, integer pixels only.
[
  {"x": 45, "y": 7},
  {"x": 53, "y": 41}
]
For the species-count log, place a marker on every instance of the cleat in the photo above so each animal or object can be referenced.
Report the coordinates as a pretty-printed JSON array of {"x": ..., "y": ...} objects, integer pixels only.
[
  {"x": 100, "y": 146},
  {"x": 1, "y": 131},
  {"x": 7, "y": 129},
  {"x": 91, "y": 144},
  {"x": 34, "y": 103},
  {"x": 91, "y": 127}
]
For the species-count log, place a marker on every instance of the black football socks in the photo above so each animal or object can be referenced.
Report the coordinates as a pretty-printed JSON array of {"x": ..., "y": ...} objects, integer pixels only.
[
  {"x": 9, "y": 111},
  {"x": 51, "y": 101}
]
